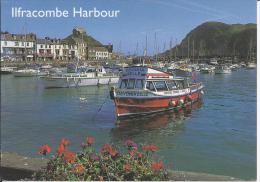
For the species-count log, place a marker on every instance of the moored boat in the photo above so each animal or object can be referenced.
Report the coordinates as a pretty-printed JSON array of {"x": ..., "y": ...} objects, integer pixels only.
[
  {"x": 144, "y": 90},
  {"x": 7, "y": 70},
  {"x": 251, "y": 65},
  {"x": 222, "y": 69},
  {"x": 207, "y": 69},
  {"x": 27, "y": 73},
  {"x": 79, "y": 79}
]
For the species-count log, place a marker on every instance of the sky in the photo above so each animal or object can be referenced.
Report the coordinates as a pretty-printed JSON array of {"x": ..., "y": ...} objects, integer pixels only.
[{"x": 168, "y": 19}]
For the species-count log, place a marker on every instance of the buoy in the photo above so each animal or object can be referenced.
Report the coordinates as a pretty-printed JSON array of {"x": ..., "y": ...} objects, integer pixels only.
[{"x": 174, "y": 103}]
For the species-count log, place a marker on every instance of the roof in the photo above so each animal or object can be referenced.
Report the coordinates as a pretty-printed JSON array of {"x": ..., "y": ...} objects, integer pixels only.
[
  {"x": 101, "y": 49},
  {"x": 18, "y": 37},
  {"x": 43, "y": 41}
]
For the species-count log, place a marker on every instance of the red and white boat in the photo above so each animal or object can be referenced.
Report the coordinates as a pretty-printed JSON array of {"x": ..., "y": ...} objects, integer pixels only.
[{"x": 144, "y": 90}]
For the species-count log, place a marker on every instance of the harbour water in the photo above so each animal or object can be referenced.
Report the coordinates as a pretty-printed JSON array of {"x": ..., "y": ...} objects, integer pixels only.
[{"x": 217, "y": 136}]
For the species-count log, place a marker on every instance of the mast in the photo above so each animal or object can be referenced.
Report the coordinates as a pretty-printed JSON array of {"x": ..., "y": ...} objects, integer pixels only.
[
  {"x": 250, "y": 49},
  {"x": 164, "y": 47},
  {"x": 188, "y": 47},
  {"x": 145, "y": 50},
  {"x": 171, "y": 49},
  {"x": 193, "y": 56},
  {"x": 175, "y": 49},
  {"x": 155, "y": 47}
]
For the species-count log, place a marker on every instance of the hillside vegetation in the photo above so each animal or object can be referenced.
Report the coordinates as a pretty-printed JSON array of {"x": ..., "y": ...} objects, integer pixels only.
[{"x": 217, "y": 39}]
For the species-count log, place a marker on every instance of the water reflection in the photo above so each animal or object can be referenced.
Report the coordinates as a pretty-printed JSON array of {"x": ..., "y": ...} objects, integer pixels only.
[{"x": 168, "y": 122}]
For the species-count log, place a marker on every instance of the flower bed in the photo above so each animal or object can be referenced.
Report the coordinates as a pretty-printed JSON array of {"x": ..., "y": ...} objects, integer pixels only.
[{"x": 108, "y": 164}]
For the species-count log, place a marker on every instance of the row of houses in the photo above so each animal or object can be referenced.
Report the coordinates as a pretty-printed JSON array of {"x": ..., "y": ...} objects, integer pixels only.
[{"x": 27, "y": 47}]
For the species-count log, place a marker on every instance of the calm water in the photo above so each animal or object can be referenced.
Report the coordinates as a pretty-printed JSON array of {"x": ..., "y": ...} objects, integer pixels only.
[{"x": 218, "y": 136}]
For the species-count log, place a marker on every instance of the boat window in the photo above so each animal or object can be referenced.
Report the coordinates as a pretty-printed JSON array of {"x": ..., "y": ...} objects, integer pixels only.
[
  {"x": 171, "y": 84},
  {"x": 149, "y": 86},
  {"x": 131, "y": 84},
  {"x": 179, "y": 84},
  {"x": 160, "y": 85},
  {"x": 139, "y": 84},
  {"x": 124, "y": 83},
  {"x": 185, "y": 84}
]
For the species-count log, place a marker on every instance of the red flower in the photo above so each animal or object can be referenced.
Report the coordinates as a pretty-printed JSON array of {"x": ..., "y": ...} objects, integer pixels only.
[
  {"x": 61, "y": 149},
  {"x": 145, "y": 147},
  {"x": 90, "y": 140},
  {"x": 45, "y": 149},
  {"x": 69, "y": 156},
  {"x": 109, "y": 149},
  {"x": 139, "y": 155},
  {"x": 157, "y": 166},
  {"x": 64, "y": 141},
  {"x": 79, "y": 169},
  {"x": 152, "y": 148},
  {"x": 132, "y": 152},
  {"x": 127, "y": 168},
  {"x": 130, "y": 144}
]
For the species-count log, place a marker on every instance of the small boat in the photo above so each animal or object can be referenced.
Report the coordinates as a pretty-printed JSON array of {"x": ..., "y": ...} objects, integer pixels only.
[
  {"x": 144, "y": 90},
  {"x": 7, "y": 70},
  {"x": 79, "y": 79},
  {"x": 251, "y": 65},
  {"x": 27, "y": 73},
  {"x": 47, "y": 66},
  {"x": 222, "y": 69},
  {"x": 207, "y": 69}
]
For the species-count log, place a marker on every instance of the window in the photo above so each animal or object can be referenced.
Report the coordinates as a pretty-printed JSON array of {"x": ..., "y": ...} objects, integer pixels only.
[
  {"x": 131, "y": 84},
  {"x": 171, "y": 85},
  {"x": 22, "y": 43},
  {"x": 179, "y": 84},
  {"x": 160, "y": 86},
  {"x": 16, "y": 43},
  {"x": 28, "y": 44},
  {"x": 139, "y": 84},
  {"x": 41, "y": 46},
  {"x": 5, "y": 43},
  {"x": 124, "y": 83},
  {"x": 149, "y": 86}
]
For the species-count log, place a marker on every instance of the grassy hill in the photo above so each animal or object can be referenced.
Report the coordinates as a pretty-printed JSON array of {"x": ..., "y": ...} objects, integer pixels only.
[{"x": 217, "y": 39}]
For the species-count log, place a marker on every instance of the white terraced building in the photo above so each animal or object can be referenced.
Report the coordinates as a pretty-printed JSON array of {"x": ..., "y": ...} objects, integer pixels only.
[{"x": 17, "y": 46}]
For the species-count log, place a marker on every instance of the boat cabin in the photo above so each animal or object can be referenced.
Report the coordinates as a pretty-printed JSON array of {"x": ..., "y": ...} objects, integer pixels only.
[{"x": 144, "y": 78}]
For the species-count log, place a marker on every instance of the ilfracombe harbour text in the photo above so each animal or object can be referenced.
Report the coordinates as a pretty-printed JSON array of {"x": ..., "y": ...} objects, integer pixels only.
[{"x": 19, "y": 12}]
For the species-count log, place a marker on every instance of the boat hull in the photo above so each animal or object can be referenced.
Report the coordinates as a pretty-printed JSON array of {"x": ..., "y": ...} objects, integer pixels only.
[
  {"x": 142, "y": 105},
  {"x": 5, "y": 72},
  {"x": 22, "y": 74},
  {"x": 67, "y": 82},
  {"x": 223, "y": 71}
]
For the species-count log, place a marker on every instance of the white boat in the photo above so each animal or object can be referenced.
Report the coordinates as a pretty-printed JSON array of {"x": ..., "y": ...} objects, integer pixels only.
[
  {"x": 214, "y": 61},
  {"x": 26, "y": 73},
  {"x": 46, "y": 66},
  {"x": 207, "y": 69},
  {"x": 222, "y": 69},
  {"x": 7, "y": 70},
  {"x": 66, "y": 80},
  {"x": 251, "y": 65}
]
